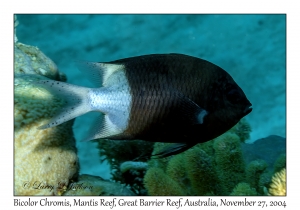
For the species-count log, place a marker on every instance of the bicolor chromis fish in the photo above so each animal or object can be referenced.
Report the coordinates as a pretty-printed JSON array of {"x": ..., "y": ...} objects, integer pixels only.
[{"x": 172, "y": 98}]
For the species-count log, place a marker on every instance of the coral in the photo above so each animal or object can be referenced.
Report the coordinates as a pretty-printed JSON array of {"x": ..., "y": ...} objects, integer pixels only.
[
  {"x": 176, "y": 170},
  {"x": 243, "y": 189},
  {"x": 197, "y": 173},
  {"x": 30, "y": 60},
  {"x": 158, "y": 183},
  {"x": 254, "y": 170},
  {"x": 264, "y": 181},
  {"x": 229, "y": 161},
  {"x": 242, "y": 129},
  {"x": 211, "y": 168},
  {"x": 89, "y": 185},
  {"x": 280, "y": 163},
  {"x": 278, "y": 185},
  {"x": 200, "y": 171},
  {"x": 132, "y": 165},
  {"x": 44, "y": 159}
]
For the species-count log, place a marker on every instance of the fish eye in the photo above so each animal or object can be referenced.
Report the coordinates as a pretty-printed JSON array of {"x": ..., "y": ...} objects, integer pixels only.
[{"x": 234, "y": 96}]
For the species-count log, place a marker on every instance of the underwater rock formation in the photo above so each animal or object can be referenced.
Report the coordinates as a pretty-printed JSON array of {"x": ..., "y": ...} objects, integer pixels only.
[
  {"x": 46, "y": 159},
  {"x": 272, "y": 145}
]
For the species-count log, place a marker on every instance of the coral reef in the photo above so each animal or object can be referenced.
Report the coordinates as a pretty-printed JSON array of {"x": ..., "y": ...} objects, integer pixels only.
[
  {"x": 89, "y": 185},
  {"x": 44, "y": 159},
  {"x": 278, "y": 185}
]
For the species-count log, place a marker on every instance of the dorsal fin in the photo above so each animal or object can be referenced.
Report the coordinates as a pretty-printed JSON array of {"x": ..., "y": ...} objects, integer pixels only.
[{"x": 98, "y": 73}]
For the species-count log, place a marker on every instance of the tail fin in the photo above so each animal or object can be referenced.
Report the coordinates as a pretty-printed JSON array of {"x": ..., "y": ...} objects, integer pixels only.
[{"x": 76, "y": 98}]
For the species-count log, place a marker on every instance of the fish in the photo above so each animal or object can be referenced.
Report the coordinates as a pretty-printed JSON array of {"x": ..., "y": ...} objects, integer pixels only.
[{"x": 172, "y": 98}]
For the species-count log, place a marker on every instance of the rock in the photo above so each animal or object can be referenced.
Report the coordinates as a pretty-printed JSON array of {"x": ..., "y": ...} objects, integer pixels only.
[{"x": 267, "y": 149}]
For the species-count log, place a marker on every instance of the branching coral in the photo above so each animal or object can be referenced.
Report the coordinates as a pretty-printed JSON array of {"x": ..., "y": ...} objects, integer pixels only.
[{"x": 278, "y": 185}]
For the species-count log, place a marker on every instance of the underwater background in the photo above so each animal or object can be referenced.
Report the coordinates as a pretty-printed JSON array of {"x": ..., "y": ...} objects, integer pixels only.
[{"x": 251, "y": 48}]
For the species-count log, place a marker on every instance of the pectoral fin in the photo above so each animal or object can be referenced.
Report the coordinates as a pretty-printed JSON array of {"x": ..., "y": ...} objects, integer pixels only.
[{"x": 172, "y": 149}]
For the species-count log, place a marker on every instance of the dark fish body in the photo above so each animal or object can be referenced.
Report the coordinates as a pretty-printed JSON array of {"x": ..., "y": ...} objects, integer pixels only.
[{"x": 161, "y": 97}]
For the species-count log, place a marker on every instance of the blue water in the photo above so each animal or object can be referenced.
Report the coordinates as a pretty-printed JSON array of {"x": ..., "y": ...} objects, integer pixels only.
[{"x": 252, "y": 48}]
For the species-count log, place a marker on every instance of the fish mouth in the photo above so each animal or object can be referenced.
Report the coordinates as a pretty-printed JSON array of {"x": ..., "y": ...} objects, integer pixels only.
[{"x": 248, "y": 110}]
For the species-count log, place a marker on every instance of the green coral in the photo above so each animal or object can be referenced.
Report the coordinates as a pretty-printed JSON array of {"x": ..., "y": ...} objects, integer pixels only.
[
  {"x": 244, "y": 189},
  {"x": 195, "y": 172},
  {"x": 229, "y": 160},
  {"x": 158, "y": 183},
  {"x": 176, "y": 171},
  {"x": 280, "y": 163},
  {"x": 254, "y": 171},
  {"x": 200, "y": 172},
  {"x": 242, "y": 129}
]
